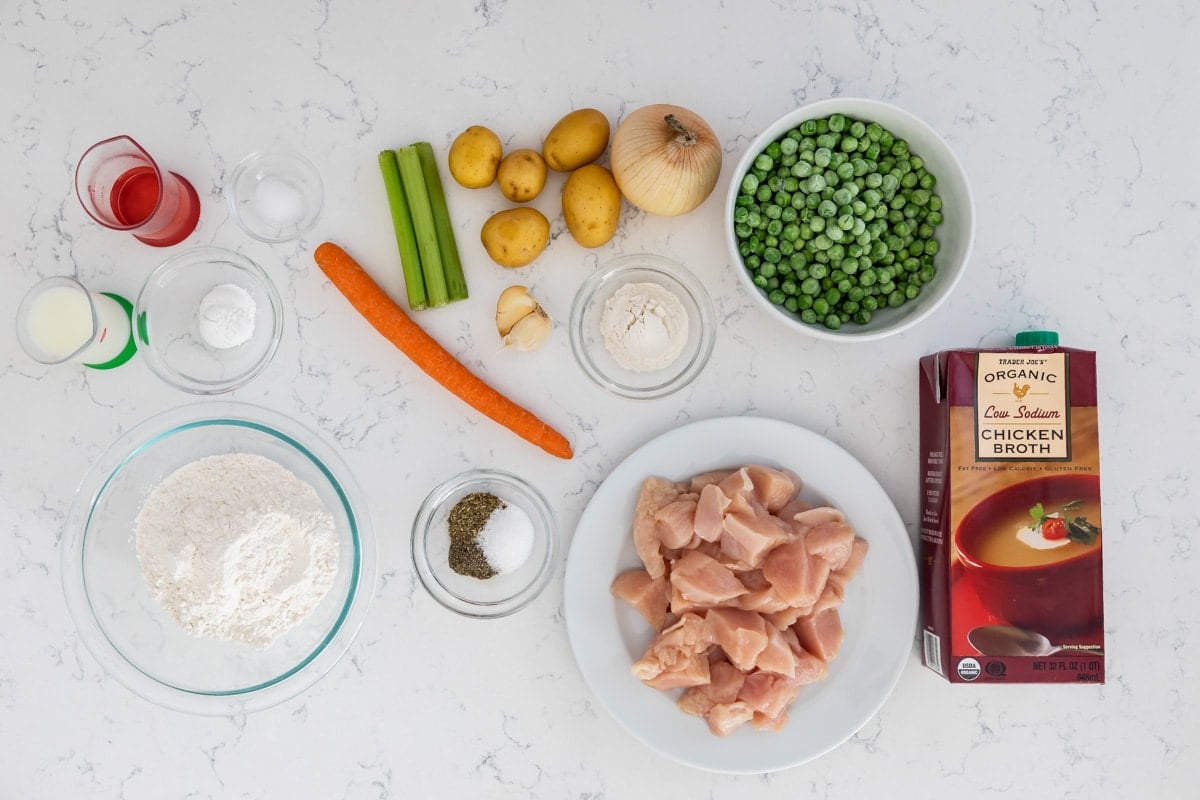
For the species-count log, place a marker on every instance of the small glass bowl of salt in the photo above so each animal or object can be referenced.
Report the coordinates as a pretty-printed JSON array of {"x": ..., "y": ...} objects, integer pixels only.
[
  {"x": 484, "y": 543},
  {"x": 208, "y": 320},
  {"x": 275, "y": 197}
]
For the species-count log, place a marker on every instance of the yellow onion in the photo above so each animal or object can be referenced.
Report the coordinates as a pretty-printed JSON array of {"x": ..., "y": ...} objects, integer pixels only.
[{"x": 665, "y": 159}]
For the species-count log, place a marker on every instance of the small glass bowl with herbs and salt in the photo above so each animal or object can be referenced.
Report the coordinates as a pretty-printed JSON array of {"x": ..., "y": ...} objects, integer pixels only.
[{"x": 485, "y": 543}]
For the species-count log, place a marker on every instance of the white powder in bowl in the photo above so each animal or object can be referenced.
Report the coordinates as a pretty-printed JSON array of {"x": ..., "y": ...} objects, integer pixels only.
[
  {"x": 644, "y": 326},
  {"x": 236, "y": 547},
  {"x": 506, "y": 539},
  {"x": 226, "y": 316}
]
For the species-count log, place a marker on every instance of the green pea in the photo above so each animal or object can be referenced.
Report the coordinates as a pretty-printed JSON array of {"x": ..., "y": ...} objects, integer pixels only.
[
  {"x": 862, "y": 316},
  {"x": 808, "y": 316},
  {"x": 821, "y": 306},
  {"x": 849, "y": 144},
  {"x": 857, "y": 129},
  {"x": 774, "y": 227},
  {"x": 764, "y": 162},
  {"x": 810, "y": 286},
  {"x": 827, "y": 209},
  {"x": 759, "y": 281},
  {"x": 826, "y": 140},
  {"x": 789, "y": 146},
  {"x": 791, "y": 305},
  {"x": 808, "y": 127},
  {"x": 931, "y": 247},
  {"x": 833, "y": 322},
  {"x": 772, "y": 212},
  {"x": 818, "y": 271}
]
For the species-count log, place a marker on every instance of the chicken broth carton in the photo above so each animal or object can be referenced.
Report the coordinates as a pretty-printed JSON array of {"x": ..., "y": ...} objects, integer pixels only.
[{"x": 1011, "y": 534}]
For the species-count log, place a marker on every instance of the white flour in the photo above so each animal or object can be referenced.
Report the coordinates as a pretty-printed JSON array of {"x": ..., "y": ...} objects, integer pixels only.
[
  {"x": 236, "y": 547},
  {"x": 644, "y": 326}
]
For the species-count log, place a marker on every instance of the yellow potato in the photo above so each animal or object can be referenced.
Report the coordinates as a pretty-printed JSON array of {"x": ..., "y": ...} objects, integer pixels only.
[
  {"x": 475, "y": 156},
  {"x": 577, "y": 139},
  {"x": 591, "y": 205},
  {"x": 522, "y": 175},
  {"x": 515, "y": 237}
]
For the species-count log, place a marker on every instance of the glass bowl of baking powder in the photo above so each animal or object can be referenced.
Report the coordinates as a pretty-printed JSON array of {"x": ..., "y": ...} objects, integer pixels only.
[
  {"x": 642, "y": 326},
  {"x": 218, "y": 558},
  {"x": 208, "y": 320}
]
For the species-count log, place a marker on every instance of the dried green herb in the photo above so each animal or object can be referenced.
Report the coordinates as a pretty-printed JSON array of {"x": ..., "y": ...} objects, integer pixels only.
[{"x": 467, "y": 518}]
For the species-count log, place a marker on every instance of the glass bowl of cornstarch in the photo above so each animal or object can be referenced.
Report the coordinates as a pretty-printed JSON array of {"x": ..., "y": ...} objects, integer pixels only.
[{"x": 218, "y": 558}]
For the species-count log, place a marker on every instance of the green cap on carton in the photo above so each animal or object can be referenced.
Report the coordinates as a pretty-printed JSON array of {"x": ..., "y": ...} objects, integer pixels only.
[{"x": 1037, "y": 339}]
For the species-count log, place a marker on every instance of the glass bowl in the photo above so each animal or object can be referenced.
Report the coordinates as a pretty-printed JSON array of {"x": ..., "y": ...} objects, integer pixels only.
[
  {"x": 167, "y": 312},
  {"x": 587, "y": 342},
  {"x": 503, "y": 594},
  {"x": 275, "y": 197},
  {"x": 955, "y": 234},
  {"x": 132, "y": 635}
]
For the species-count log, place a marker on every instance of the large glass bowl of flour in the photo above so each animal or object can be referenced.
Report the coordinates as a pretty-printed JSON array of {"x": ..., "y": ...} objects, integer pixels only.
[{"x": 159, "y": 646}]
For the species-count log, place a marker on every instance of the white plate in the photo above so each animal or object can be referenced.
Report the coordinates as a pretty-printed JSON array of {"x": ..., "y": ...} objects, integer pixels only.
[{"x": 879, "y": 613}]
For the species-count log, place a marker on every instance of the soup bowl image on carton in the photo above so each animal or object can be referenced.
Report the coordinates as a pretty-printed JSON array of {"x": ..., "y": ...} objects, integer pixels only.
[
  {"x": 1040, "y": 584},
  {"x": 1011, "y": 533}
]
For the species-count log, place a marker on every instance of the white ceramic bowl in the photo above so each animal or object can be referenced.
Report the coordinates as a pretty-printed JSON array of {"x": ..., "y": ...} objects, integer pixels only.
[
  {"x": 955, "y": 235},
  {"x": 128, "y": 630}
]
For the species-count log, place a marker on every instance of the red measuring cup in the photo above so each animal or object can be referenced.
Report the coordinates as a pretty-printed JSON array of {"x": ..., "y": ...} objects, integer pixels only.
[{"x": 121, "y": 187}]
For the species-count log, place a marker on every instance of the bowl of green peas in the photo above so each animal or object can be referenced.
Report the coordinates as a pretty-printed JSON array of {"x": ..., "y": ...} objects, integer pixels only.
[{"x": 850, "y": 219}]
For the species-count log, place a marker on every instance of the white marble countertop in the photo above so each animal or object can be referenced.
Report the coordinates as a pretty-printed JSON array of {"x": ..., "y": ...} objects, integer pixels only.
[{"x": 1074, "y": 122}]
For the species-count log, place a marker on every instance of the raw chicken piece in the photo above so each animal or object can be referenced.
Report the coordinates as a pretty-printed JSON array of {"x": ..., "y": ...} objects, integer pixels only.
[
  {"x": 696, "y": 701},
  {"x": 787, "y": 617},
  {"x": 809, "y": 668},
  {"x": 701, "y": 579},
  {"x": 648, "y": 595},
  {"x": 710, "y": 513},
  {"x": 814, "y": 517},
  {"x": 655, "y": 493},
  {"x": 748, "y": 538},
  {"x": 764, "y": 601},
  {"x": 742, "y": 635},
  {"x": 796, "y": 575},
  {"x": 725, "y": 680},
  {"x": 858, "y": 554},
  {"x": 724, "y": 718},
  {"x": 774, "y": 488},
  {"x": 698, "y": 482},
  {"x": 740, "y": 490},
  {"x": 673, "y": 647},
  {"x": 774, "y": 724},
  {"x": 832, "y": 541},
  {"x": 768, "y": 694},
  {"x": 831, "y": 595},
  {"x": 693, "y": 671},
  {"x": 820, "y": 634},
  {"x": 675, "y": 522},
  {"x": 792, "y": 508},
  {"x": 776, "y": 657}
]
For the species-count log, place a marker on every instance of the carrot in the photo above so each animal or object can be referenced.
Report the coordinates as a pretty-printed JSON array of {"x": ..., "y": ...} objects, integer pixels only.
[{"x": 398, "y": 328}]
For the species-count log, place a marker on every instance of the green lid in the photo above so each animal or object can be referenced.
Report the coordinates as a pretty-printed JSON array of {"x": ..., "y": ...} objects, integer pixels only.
[{"x": 1037, "y": 339}]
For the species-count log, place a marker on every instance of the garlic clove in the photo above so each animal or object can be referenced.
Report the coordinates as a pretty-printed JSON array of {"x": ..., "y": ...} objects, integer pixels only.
[
  {"x": 531, "y": 331},
  {"x": 514, "y": 303}
]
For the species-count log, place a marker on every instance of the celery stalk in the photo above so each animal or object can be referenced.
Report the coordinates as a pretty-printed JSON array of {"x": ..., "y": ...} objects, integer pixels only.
[
  {"x": 422, "y": 217},
  {"x": 406, "y": 240},
  {"x": 456, "y": 282}
]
